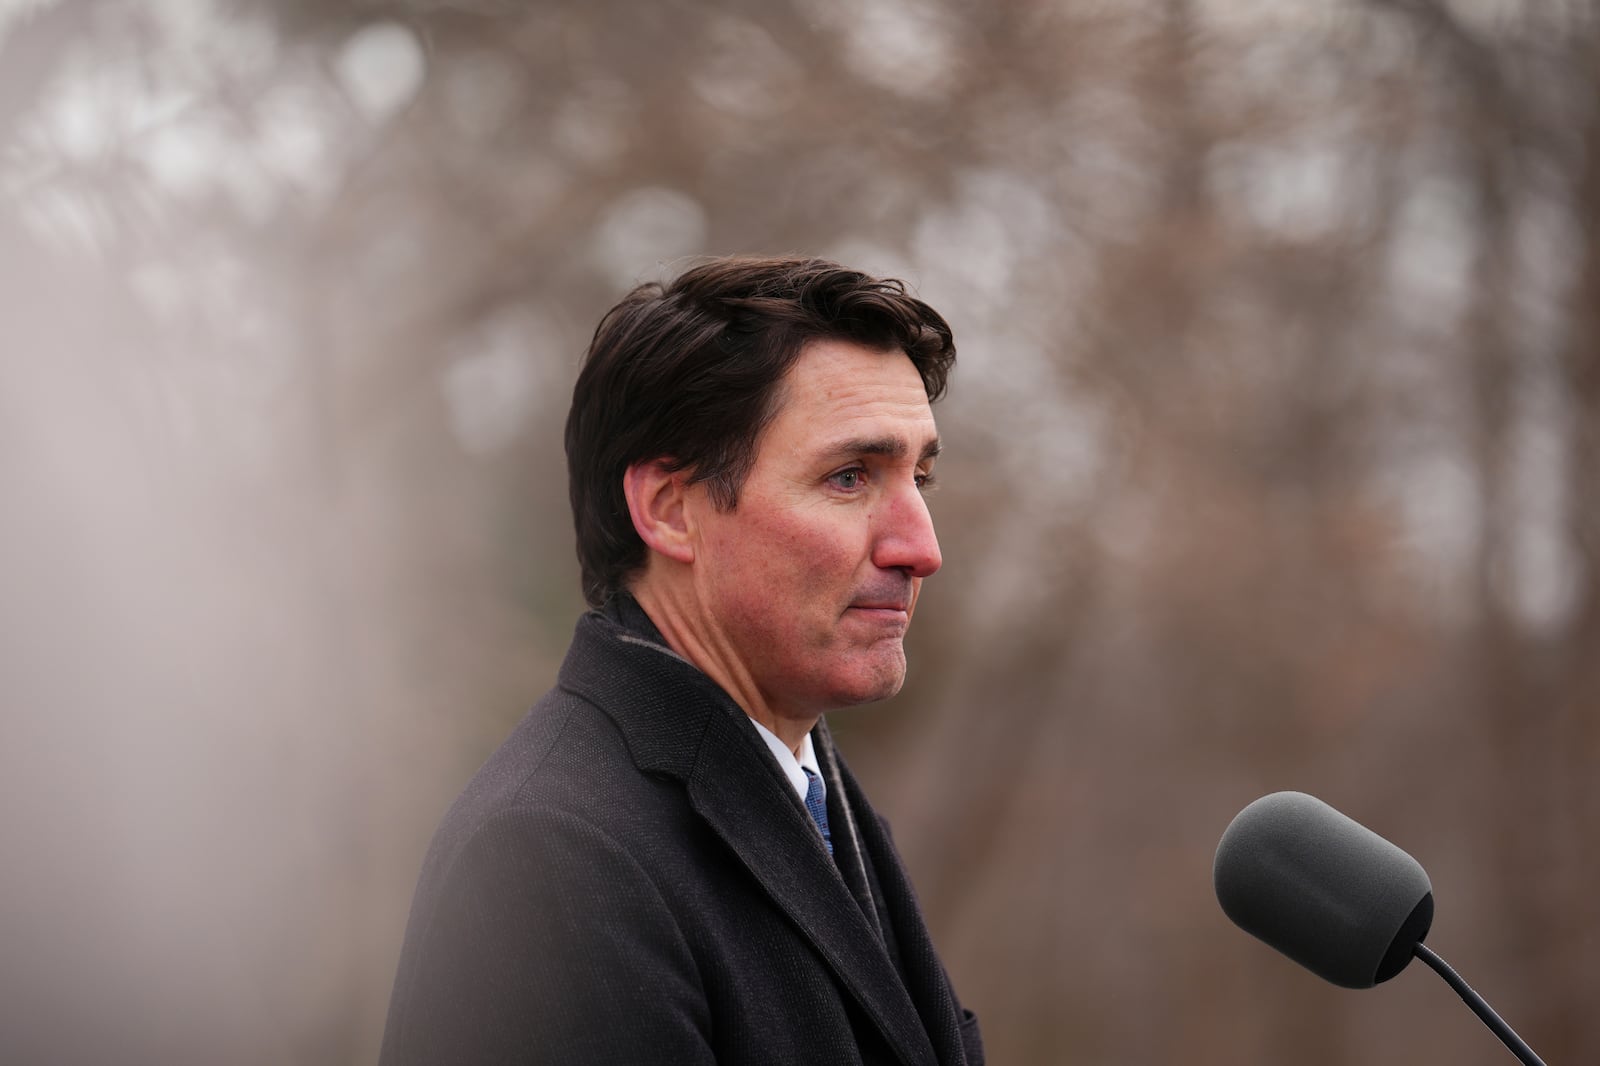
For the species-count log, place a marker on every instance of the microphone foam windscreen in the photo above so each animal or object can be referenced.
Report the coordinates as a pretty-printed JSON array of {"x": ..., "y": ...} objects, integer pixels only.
[{"x": 1323, "y": 889}]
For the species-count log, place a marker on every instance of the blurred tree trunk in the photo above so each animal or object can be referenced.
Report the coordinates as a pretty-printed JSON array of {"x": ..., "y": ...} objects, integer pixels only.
[{"x": 1574, "y": 692}]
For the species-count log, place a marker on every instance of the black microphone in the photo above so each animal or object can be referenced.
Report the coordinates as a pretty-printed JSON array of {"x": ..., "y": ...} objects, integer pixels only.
[{"x": 1335, "y": 897}]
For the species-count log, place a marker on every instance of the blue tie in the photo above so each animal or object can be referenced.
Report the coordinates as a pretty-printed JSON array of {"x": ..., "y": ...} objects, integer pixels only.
[{"x": 817, "y": 805}]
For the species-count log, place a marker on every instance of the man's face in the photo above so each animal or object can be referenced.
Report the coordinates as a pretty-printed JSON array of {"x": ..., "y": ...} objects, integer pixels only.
[{"x": 810, "y": 582}]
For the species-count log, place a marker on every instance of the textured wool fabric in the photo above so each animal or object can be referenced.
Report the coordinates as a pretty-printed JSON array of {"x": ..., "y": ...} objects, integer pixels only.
[{"x": 631, "y": 879}]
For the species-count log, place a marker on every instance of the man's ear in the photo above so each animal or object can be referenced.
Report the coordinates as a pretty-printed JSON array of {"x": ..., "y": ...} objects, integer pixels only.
[{"x": 656, "y": 504}]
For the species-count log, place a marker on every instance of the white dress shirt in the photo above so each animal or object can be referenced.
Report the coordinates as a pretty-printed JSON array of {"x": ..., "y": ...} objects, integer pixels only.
[{"x": 792, "y": 767}]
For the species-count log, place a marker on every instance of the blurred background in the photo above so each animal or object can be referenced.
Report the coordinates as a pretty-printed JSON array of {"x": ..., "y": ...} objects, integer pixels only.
[{"x": 1271, "y": 463}]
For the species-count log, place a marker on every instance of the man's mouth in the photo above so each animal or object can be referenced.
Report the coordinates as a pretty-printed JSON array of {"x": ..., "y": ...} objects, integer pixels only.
[{"x": 895, "y": 597}]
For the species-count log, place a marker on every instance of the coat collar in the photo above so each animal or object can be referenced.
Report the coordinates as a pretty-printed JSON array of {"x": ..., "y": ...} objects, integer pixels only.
[{"x": 676, "y": 721}]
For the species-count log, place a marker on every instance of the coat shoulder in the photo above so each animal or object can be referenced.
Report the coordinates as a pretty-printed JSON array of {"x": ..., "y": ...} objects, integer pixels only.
[
  {"x": 566, "y": 757},
  {"x": 519, "y": 903}
]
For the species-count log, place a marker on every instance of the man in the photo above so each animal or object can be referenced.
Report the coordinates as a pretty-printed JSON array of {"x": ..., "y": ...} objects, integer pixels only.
[{"x": 667, "y": 862}]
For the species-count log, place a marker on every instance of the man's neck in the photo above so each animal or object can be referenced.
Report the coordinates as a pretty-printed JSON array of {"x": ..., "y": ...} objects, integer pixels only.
[{"x": 714, "y": 658}]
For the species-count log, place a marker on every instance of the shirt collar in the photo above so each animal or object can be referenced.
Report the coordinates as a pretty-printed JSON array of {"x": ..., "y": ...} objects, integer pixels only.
[{"x": 794, "y": 769}]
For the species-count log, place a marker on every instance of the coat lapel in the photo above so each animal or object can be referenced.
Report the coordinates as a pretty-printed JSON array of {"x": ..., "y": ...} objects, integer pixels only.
[
  {"x": 675, "y": 720},
  {"x": 925, "y": 977},
  {"x": 768, "y": 828}
]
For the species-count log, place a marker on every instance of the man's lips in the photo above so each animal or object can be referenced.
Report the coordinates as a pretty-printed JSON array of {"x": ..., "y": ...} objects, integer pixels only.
[{"x": 889, "y": 598}]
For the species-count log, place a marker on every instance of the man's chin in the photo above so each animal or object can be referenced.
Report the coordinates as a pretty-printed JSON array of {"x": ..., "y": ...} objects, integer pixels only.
[{"x": 879, "y": 678}]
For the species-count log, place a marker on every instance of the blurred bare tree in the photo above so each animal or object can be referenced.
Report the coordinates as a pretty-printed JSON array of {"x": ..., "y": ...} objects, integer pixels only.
[{"x": 1271, "y": 464}]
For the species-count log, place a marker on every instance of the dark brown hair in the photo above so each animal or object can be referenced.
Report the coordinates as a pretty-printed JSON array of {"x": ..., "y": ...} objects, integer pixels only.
[{"x": 689, "y": 373}]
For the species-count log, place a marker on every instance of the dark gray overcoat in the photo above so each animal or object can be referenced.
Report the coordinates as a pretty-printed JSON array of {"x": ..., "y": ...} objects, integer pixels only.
[{"x": 631, "y": 879}]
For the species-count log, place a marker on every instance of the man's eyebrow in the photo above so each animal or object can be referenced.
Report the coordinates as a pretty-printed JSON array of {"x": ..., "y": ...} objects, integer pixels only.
[{"x": 892, "y": 447}]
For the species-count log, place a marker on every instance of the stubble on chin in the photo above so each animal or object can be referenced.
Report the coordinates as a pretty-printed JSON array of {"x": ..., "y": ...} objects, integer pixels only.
[{"x": 878, "y": 674}]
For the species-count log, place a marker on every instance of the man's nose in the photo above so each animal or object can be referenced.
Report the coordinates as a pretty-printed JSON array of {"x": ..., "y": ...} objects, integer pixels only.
[{"x": 904, "y": 537}]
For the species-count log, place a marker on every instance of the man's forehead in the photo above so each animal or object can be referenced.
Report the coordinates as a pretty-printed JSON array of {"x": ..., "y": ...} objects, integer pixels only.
[{"x": 845, "y": 399}]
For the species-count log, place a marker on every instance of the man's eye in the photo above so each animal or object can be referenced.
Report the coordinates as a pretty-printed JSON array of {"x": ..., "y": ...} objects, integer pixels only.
[
  {"x": 924, "y": 481},
  {"x": 847, "y": 479}
]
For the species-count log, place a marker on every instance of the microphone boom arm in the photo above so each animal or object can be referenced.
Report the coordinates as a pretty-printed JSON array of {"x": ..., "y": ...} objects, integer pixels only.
[{"x": 1480, "y": 1007}]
